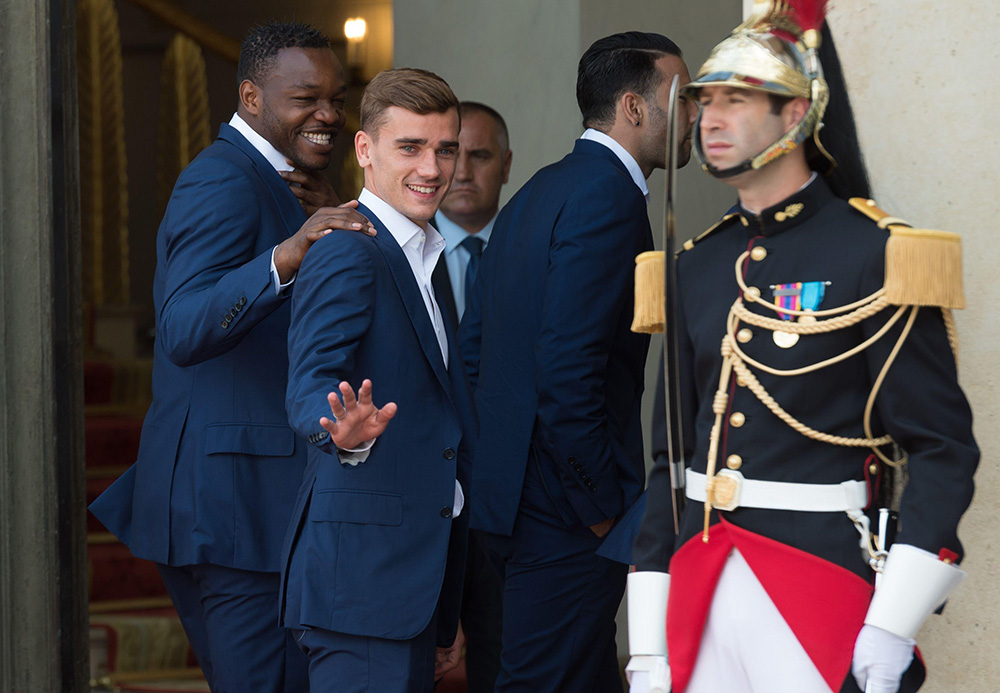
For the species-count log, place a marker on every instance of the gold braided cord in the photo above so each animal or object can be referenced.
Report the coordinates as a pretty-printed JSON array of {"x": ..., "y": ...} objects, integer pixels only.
[
  {"x": 870, "y": 404},
  {"x": 818, "y": 327},
  {"x": 184, "y": 128},
  {"x": 103, "y": 179},
  {"x": 754, "y": 385},
  {"x": 830, "y": 325}
]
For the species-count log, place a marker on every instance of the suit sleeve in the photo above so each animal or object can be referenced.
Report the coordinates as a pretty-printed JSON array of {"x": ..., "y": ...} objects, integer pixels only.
[
  {"x": 332, "y": 309},
  {"x": 215, "y": 287},
  {"x": 655, "y": 543},
  {"x": 923, "y": 408},
  {"x": 587, "y": 288}
]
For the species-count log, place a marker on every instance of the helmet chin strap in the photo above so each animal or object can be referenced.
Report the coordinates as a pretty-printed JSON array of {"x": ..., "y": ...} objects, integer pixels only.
[{"x": 810, "y": 124}]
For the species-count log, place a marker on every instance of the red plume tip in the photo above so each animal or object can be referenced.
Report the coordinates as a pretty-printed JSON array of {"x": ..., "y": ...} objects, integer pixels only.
[{"x": 808, "y": 14}]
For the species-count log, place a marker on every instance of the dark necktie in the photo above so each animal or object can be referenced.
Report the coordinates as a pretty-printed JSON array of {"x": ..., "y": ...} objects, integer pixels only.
[{"x": 474, "y": 246}]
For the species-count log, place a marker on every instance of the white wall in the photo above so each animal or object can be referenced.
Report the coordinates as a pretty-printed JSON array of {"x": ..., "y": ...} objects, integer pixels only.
[{"x": 922, "y": 81}]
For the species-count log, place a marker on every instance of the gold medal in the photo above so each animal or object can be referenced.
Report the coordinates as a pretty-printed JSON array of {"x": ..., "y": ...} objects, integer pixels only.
[{"x": 785, "y": 340}]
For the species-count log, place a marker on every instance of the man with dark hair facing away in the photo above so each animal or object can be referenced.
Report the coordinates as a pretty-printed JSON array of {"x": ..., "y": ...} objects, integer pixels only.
[
  {"x": 558, "y": 376},
  {"x": 373, "y": 564},
  {"x": 835, "y": 368},
  {"x": 211, "y": 493}
]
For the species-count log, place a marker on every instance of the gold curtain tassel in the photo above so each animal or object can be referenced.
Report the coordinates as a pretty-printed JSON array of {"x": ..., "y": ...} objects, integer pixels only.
[{"x": 924, "y": 268}]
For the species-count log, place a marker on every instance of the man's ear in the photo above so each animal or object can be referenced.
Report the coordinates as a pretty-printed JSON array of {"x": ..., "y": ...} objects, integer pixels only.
[
  {"x": 363, "y": 148},
  {"x": 250, "y": 97},
  {"x": 794, "y": 111},
  {"x": 507, "y": 158},
  {"x": 632, "y": 108}
]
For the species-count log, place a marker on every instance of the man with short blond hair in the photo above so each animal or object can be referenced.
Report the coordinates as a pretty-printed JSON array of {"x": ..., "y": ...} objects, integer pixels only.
[{"x": 375, "y": 551}]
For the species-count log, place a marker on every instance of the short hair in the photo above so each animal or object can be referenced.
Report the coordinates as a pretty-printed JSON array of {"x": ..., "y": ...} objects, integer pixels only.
[
  {"x": 415, "y": 90},
  {"x": 259, "y": 51},
  {"x": 616, "y": 64},
  {"x": 467, "y": 107}
]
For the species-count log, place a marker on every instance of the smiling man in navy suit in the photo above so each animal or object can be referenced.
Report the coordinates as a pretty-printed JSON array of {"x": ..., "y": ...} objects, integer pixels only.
[
  {"x": 211, "y": 493},
  {"x": 375, "y": 552},
  {"x": 559, "y": 376}
]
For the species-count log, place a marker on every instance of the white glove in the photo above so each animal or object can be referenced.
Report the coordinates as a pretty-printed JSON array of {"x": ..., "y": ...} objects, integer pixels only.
[
  {"x": 648, "y": 674},
  {"x": 880, "y": 659}
]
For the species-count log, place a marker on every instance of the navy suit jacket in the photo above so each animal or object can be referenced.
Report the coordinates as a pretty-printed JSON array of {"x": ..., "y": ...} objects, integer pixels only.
[
  {"x": 558, "y": 375},
  {"x": 372, "y": 547},
  {"x": 218, "y": 465}
]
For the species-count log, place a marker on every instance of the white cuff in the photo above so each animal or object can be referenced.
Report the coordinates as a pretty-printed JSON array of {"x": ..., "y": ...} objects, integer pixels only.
[
  {"x": 914, "y": 583},
  {"x": 279, "y": 288},
  {"x": 647, "y": 613},
  {"x": 355, "y": 456}
]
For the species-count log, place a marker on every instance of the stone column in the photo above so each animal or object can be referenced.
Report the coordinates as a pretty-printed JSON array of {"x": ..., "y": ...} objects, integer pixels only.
[
  {"x": 43, "y": 598},
  {"x": 921, "y": 80}
]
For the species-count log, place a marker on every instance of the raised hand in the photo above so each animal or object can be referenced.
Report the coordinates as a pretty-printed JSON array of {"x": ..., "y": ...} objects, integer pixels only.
[
  {"x": 289, "y": 253},
  {"x": 356, "y": 420}
]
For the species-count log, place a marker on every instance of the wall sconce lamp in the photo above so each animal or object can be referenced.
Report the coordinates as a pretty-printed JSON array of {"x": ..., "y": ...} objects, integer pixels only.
[{"x": 355, "y": 30}]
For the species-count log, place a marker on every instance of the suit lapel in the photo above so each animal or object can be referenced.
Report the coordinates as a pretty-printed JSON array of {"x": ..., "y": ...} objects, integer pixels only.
[
  {"x": 443, "y": 291},
  {"x": 409, "y": 292},
  {"x": 288, "y": 205}
]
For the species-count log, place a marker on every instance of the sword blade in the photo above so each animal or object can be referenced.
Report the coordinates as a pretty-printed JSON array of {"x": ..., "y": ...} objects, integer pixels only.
[{"x": 671, "y": 366}]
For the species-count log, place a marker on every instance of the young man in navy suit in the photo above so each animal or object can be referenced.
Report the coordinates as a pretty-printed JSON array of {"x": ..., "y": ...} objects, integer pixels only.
[
  {"x": 559, "y": 376},
  {"x": 211, "y": 493},
  {"x": 375, "y": 552}
]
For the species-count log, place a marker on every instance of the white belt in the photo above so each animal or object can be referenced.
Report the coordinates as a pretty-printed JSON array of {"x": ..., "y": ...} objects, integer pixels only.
[{"x": 847, "y": 496}]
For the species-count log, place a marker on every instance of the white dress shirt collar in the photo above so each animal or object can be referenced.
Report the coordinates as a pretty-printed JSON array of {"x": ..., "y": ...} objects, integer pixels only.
[
  {"x": 630, "y": 163},
  {"x": 266, "y": 149},
  {"x": 402, "y": 229}
]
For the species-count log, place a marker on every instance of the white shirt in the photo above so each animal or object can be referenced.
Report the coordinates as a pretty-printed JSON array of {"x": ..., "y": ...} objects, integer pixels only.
[
  {"x": 280, "y": 163},
  {"x": 457, "y": 257},
  {"x": 630, "y": 163},
  {"x": 422, "y": 250}
]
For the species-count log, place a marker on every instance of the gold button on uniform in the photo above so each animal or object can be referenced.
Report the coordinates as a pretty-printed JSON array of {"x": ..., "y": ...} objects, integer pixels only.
[
  {"x": 737, "y": 419},
  {"x": 758, "y": 253},
  {"x": 753, "y": 292},
  {"x": 744, "y": 335},
  {"x": 734, "y": 461}
]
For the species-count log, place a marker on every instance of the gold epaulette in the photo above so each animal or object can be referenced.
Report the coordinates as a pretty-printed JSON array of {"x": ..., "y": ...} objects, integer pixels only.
[
  {"x": 650, "y": 303},
  {"x": 690, "y": 243},
  {"x": 923, "y": 267}
]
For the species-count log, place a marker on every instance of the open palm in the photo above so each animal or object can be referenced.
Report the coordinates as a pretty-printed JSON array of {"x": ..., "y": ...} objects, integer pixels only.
[{"x": 356, "y": 420}]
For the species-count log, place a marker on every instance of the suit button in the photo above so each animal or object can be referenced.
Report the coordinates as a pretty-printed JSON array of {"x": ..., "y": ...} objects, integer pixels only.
[
  {"x": 734, "y": 461},
  {"x": 229, "y": 317},
  {"x": 243, "y": 300},
  {"x": 449, "y": 454},
  {"x": 744, "y": 335},
  {"x": 445, "y": 512},
  {"x": 238, "y": 307},
  {"x": 225, "y": 324},
  {"x": 578, "y": 467},
  {"x": 753, "y": 293},
  {"x": 590, "y": 485},
  {"x": 758, "y": 253},
  {"x": 737, "y": 419}
]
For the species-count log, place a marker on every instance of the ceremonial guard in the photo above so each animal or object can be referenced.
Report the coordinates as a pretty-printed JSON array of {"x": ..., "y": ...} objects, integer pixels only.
[{"x": 817, "y": 363}]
